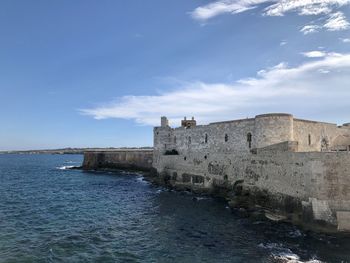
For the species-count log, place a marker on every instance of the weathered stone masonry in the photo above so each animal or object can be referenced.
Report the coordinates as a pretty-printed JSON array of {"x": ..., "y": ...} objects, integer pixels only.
[
  {"x": 131, "y": 159},
  {"x": 298, "y": 168}
]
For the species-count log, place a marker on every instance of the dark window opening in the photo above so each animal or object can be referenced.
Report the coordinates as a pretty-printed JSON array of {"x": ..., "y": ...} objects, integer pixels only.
[
  {"x": 249, "y": 140},
  {"x": 185, "y": 158},
  {"x": 226, "y": 137},
  {"x": 175, "y": 139},
  {"x": 206, "y": 138},
  {"x": 309, "y": 139},
  {"x": 172, "y": 152},
  {"x": 189, "y": 140},
  {"x": 205, "y": 157}
]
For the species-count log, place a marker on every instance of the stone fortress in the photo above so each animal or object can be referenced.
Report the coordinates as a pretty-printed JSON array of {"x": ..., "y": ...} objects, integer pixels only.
[{"x": 294, "y": 169}]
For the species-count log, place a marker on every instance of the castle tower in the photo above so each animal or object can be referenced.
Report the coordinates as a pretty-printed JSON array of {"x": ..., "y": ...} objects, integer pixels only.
[{"x": 272, "y": 128}]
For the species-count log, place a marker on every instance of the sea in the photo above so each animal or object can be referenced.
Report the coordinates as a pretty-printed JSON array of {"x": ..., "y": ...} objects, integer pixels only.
[{"x": 49, "y": 213}]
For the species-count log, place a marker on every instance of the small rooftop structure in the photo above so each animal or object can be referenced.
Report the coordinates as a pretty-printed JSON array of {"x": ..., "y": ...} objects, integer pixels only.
[
  {"x": 164, "y": 122},
  {"x": 188, "y": 123}
]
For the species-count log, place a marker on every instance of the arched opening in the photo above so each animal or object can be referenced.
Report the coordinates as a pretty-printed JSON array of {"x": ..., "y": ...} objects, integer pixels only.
[
  {"x": 226, "y": 137},
  {"x": 249, "y": 140}
]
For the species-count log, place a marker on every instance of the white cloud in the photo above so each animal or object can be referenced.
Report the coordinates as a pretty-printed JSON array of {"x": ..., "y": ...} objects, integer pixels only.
[
  {"x": 283, "y": 43},
  {"x": 345, "y": 40},
  {"x": 310, "y": 29},
  {"x": 333, "y": 22},
  {"x": 275, "y": 7},
  {"x": 336, "y": 21},
  {"x": 314, "y": 54},
  {"x": 303, "y": 7},
  {"x": 301, "y": 89},
  {"x": 224, "y": 6}
]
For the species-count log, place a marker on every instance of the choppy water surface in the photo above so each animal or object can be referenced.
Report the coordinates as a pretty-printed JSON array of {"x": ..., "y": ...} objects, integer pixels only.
[{"x": 48, "y": 214}]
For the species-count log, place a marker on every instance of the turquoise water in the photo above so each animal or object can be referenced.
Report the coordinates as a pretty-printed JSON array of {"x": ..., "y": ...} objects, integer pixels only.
[{"x": 49, "y": 214}]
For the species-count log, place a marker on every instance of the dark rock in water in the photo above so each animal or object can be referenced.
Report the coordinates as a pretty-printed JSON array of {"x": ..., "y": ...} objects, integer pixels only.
[
  {"x": 275, "y": 217},
  {"x": 75, "y": 168}
]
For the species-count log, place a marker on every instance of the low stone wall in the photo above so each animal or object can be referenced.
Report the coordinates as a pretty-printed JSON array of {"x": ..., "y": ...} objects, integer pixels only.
[
  {"x": 129, "y": 159},
  {"x": 312, "y": 189}
]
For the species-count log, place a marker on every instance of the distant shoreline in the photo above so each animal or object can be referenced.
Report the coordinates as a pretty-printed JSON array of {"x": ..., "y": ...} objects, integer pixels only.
[{"x": 73, "y": 150}]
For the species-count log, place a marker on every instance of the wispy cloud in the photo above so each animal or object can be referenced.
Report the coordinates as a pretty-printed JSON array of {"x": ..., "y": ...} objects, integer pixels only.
[
  {"x": 303, "y": 7},
  {"x": 273, "y": 89},
  {"x": 224, "y": 6},
  {"x": 275, "y": 7},
  {"x": 335, "y": 20},
  {"x": 332, "y": 22},
  {"x": 308, "y": 29}
]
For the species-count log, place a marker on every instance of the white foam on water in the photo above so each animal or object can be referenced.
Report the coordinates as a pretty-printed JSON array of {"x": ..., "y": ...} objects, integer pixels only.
[
  {"x": 284, "y": 255},
  {"x": 292, "y": 258},
  {"x": 142, "y": 180},
  {"x": 288, "y": 257},
  {"x": 65, "y": 167}
]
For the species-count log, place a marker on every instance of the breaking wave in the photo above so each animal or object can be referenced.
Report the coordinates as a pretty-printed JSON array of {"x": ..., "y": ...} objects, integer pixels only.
[
  {"x": 285, "y": 255},
  {"x": 65, "y": 167}
]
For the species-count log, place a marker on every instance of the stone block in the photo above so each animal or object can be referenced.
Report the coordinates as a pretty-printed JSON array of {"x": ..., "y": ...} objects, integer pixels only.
[{"x": 343, "y": 219}]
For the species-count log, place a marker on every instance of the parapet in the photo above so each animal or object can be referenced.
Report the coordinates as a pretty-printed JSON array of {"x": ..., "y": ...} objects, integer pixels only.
[{"x": 274, "y": 115}]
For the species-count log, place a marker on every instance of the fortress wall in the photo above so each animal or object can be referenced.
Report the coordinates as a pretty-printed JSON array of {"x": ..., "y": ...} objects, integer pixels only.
[
  {"x": 266, "y": 130},
  {"x": 318, "y": 183},
  {"x": 330, "y": 176},
  {"x": 138, "y": 159},
  {"x": 193, "y": 139},
  {"x": 317, "y": 132},
  {"x": 325, "y": 176},
  {"x": 236, "y": 136},
  {"x": 281, "y": 172}
]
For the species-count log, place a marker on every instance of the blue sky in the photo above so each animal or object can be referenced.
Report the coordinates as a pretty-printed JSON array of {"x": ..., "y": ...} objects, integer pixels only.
[{"x": 89, "y": 73}]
